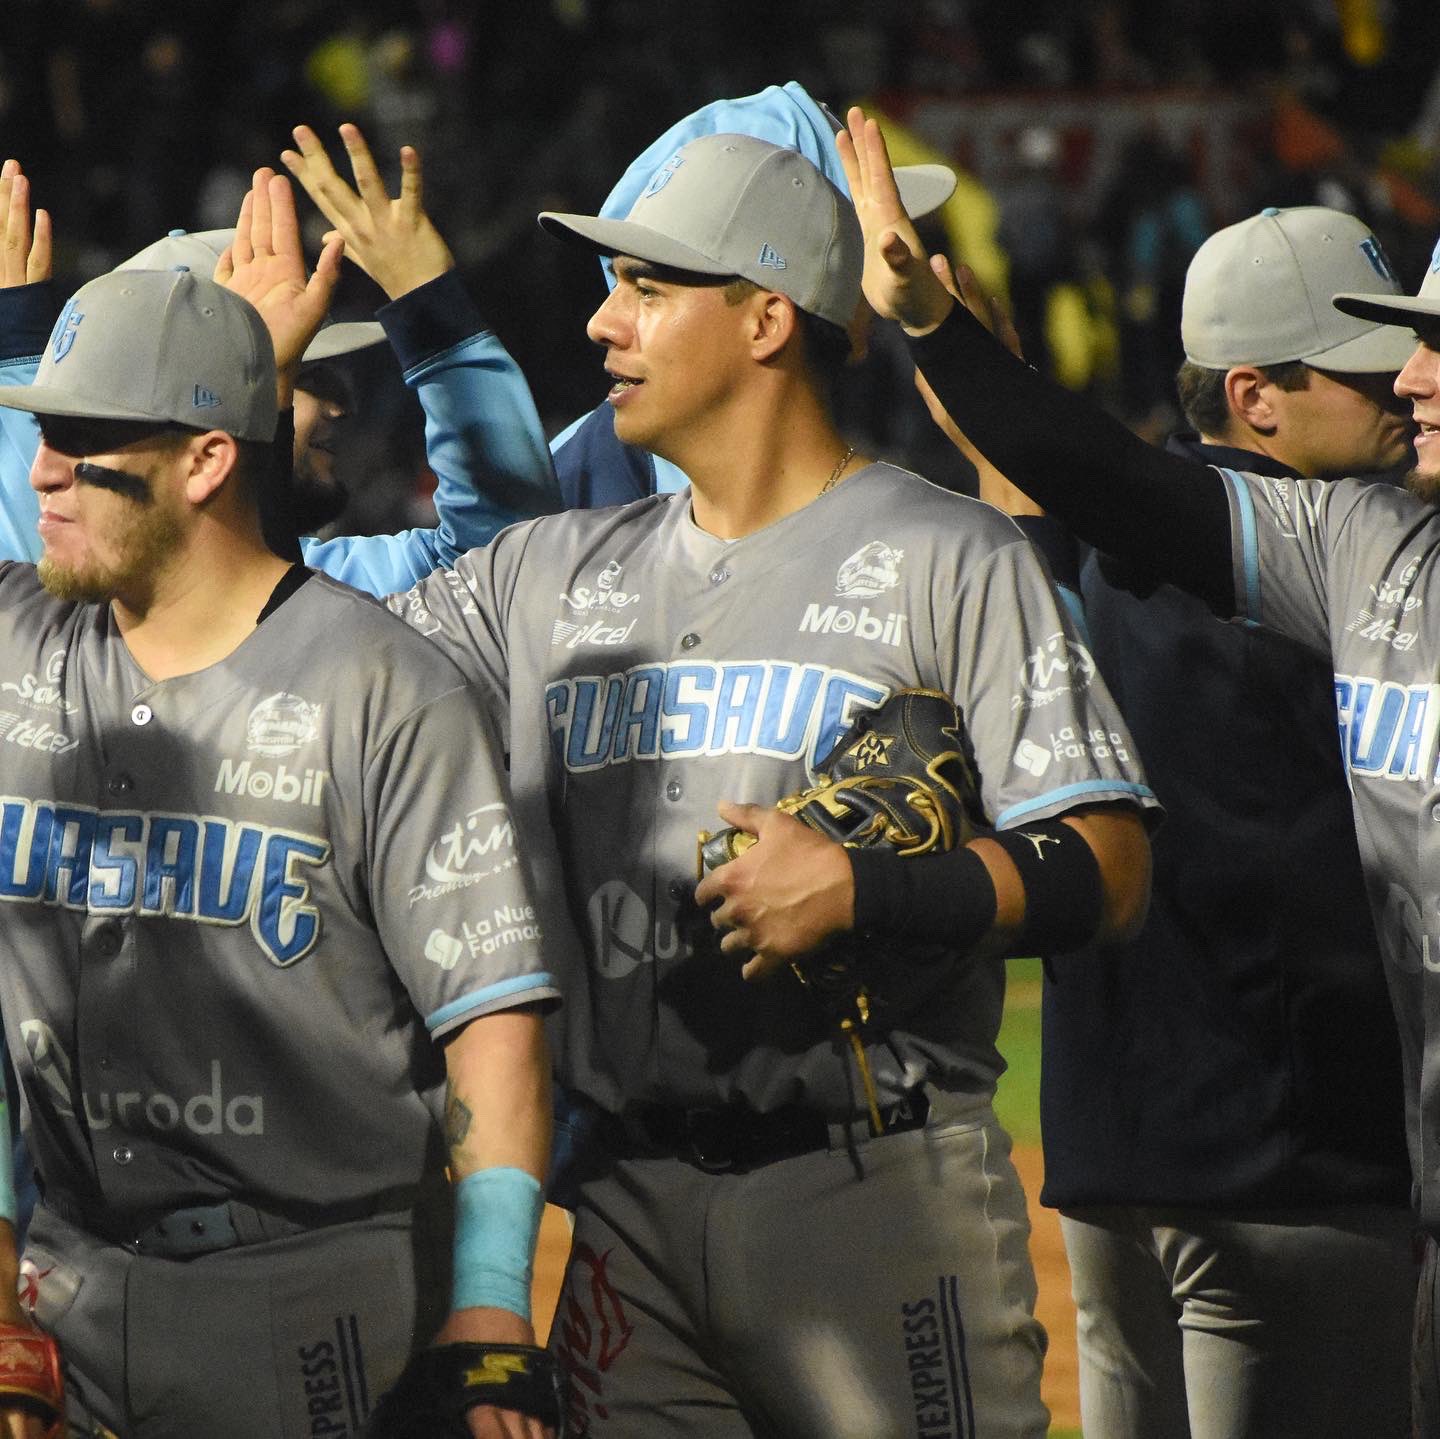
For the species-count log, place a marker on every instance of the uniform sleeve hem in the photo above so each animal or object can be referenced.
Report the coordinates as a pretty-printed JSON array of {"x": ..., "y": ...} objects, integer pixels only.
[
  {"x": 430, "y": 320},
  {"x": 538, "y": 988},
  {"x": 1090, "y": 791}
]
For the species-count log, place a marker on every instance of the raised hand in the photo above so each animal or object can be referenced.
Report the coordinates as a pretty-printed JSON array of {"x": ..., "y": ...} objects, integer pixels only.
[
  {"x": 24, "y": 245},
  {"x": 898, "y": 281},
  {"x": 393, "y": 241},
  {"x": 266, "y": 266}
]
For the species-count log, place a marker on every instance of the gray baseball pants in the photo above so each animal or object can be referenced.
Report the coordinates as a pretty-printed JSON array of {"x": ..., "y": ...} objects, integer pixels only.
[
  {"x": 290, "y": 1339},
  {"x": 1286, "y": 1324},
  {"x": 799, "y": 1301}
]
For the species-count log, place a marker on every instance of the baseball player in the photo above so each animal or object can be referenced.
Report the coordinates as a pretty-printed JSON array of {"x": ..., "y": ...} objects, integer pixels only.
[
  {"x": 264, "y": 905},
  {"x": 1229, "y": 1161},
  {"x": 490, "y": 460},
  {"x": 592, "y": 466},
  {"x": 1347, "y": 569},
  {"x": 753, "y": 1253}
]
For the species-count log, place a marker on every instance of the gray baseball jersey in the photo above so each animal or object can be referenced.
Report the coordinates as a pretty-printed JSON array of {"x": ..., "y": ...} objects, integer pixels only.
[
  {"x": 240, "y": 904},
  {"x": 1353, "y": 570},
  {"x": 653, "y": 670}
]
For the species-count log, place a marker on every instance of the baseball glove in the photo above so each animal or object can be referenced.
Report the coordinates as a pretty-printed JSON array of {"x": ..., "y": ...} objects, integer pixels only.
[
  {"x": 441, "y": 1384},
  {"x": 899, "y": 776},
  {"x": 30, "y": 1376}
]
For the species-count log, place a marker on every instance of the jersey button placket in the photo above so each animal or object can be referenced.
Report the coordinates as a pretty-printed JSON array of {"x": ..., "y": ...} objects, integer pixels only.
[{"x": 141, "y": 714}]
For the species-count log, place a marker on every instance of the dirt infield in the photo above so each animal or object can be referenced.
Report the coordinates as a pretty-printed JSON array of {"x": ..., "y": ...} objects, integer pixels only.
[{"x": 1060, "y": 1385}]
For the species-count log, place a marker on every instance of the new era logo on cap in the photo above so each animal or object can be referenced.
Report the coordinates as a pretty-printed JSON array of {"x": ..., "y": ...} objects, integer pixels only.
[
  {"x": 770, "y": 258},
  {"x": 205, "y": 399}
]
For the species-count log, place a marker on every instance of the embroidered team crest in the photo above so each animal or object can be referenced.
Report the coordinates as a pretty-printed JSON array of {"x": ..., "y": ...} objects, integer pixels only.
[
  {"x": 663, "y": 176},
  {"x": 871, "y": 570},
  {"x": 64, "y": 334}
]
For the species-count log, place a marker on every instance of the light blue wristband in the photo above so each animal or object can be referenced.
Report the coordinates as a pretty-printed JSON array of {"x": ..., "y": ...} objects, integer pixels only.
[
  {"x": 9, "y": 1209},
  {"x": 497, "y": 1220}
]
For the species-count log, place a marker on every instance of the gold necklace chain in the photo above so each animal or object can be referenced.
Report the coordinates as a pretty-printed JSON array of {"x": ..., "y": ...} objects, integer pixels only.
[{"x": 838, "y": 470}]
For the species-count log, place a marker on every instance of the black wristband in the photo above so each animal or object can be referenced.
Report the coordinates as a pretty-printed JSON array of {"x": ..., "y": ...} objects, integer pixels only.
[
  {"x": 1064, "y": 892},
  {"x": 946, "y": 898}
]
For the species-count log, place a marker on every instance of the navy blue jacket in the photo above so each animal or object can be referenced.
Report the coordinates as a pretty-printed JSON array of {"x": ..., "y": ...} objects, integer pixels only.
[{"x": 1242, "y": 1050}]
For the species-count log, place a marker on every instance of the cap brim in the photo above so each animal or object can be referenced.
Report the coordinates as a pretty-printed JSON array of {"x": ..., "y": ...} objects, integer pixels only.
[
  {"x": 43, "y": 400},
  {"x": 342, "y": 339},
  {"x": 625, "y": 237},
  {"x": 1390, "y": 310},
  {"x": 924, "y": 188},
  {"x": 1383, "y": 350}
]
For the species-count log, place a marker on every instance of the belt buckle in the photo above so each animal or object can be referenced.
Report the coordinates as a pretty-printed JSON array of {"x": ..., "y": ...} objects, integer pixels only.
[{"x": 712, "y": 1138}]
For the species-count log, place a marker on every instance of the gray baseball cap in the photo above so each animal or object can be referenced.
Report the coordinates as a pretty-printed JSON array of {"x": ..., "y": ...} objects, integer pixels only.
[
  {"x": 1259, "y": 292},
  {"x": 162, "y": 345},
  {"x": 735, "y": 205},
  {"x": 1402, "y": 310},
  {"x": 199, "y": 250}
]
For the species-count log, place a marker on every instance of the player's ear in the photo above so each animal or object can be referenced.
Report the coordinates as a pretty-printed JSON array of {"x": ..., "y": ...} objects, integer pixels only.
[
  {"x": 1247, "y": 396},
  {"x": 774, "y": 324},
  {"x": 212, "y": 459}
]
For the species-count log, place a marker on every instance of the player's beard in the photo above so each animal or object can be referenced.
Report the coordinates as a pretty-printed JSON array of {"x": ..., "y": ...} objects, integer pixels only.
[
  {"x": 143, "y": 541},
  {"x": 1423, "y": 485},
  {"x": 315, "y": 499}
]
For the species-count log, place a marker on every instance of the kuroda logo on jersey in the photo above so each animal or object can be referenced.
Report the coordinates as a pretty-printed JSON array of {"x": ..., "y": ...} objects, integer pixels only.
[
  {"x": 624, "y": 933},
  {"x": 207, "y": 1111},
  {"x": 473, "y": 849}
]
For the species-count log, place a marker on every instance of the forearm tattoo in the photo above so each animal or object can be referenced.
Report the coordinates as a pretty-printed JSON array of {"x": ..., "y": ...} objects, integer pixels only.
[{"x": 457, "y": 1119}]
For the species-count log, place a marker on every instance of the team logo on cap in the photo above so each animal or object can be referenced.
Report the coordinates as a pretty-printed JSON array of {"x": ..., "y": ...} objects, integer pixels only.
[
  {"x": 871, "y": 570},
  {"x": 663, "y": 175},
  {"x": 279, "y": 725},
  {"x": 65, "y": 328},
  {"x": 1379, "y": 261}
]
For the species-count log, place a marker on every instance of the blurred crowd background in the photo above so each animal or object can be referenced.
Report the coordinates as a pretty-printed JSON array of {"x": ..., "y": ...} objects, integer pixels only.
[{"x": 1099, "y": 143}]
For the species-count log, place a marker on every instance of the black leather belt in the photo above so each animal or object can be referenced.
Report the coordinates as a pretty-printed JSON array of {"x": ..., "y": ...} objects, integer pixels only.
[{"x": 733, "y": 1139}]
